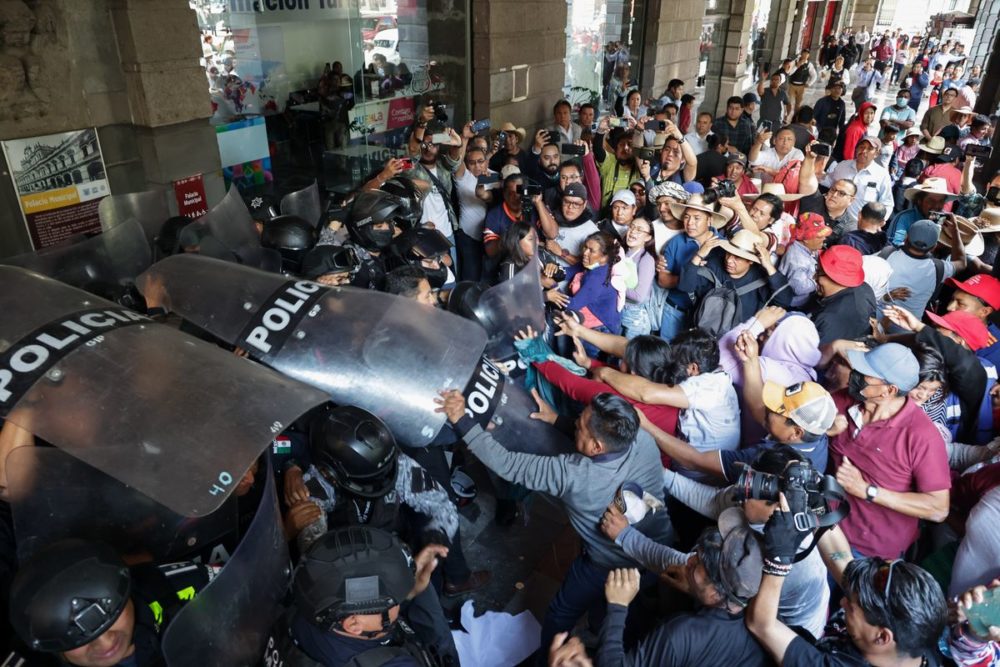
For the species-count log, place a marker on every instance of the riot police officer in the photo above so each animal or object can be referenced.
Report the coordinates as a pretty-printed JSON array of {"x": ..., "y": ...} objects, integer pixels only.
[
  {"x": 371, "y": 224},
  {"x": 359, "y": 599},
  {"x": 428, "y": 249},
  {"x": 292, "y": 237},
  {"x": 77, "y": 599}
]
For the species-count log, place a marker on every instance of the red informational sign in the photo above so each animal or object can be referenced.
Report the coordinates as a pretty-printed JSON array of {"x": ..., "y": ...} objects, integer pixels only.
[
  {"x": 190, "y": 193},
  {"x": 401, "y": 113}
]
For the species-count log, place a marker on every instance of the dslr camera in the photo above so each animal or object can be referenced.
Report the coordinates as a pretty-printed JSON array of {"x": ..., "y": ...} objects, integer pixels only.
[
  {"x": 724, "y": 188},
  {"x": 808, "y": 492},
  {"x": 440, "y": 112},
  {"x": 527, "y": 191},
  {"x": 647, "y": 154}
]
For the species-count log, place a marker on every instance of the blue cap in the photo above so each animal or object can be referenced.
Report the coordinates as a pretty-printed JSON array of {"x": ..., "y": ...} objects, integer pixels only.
[
  {"x": 891, "y": 362},
  {"x": 694, "y": 188},
  {"x": 923, "y": 234}
]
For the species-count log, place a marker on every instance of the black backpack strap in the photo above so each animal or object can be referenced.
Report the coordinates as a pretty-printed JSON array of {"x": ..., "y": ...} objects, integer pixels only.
[{"x": 938, "y": 279}]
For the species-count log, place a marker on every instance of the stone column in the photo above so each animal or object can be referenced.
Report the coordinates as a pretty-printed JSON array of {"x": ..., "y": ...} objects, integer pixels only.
[
  {"x": 158, "y": 48},
  {"x": 780, "y": 28},
  {"x": 518, "y": 47},
  {"x": 719, "y": 89},
  {"x": 673, "y": 28},
  {"x": 864, "y": 13}
]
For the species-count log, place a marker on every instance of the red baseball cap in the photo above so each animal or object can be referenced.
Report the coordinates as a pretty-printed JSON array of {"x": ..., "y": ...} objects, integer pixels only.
[
  {"x": 843, "y": 265},
  {"x": 966, "y": 325},
  {"x": 810, "y": 226},
  {"x": 982, "y": 286}
]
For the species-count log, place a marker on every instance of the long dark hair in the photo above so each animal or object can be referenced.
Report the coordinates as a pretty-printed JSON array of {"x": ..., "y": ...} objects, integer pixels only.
[
  {"x": 610, "y": 247},
  {"x": 648, "y": 357},
  {"x": 511, "y": 244}
]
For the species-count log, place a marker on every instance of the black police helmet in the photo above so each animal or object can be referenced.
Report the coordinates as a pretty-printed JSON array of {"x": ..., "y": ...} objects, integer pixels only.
[
  {"x": 411, "y": 198},
  {"x": 356, "y": 570},
  {"x": 356, "y": 449},
  {"x": 291, "y": 236},
  {"x": 417, "y": 244},
  {"x": 262, "y": 207},
  {"x": 464, "y": 301},
  {"x": 370, "y": 208},
  {"x": 68, "y": 594},
  {"x": 324, "y": 259}
]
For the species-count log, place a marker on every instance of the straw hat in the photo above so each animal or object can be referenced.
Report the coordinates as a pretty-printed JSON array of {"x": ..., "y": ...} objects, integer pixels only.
[
  {"x": 973, "y": 240},
  {"x": 743, "y": 244},
  {"x": 988, "y": 221},
  {"x": 697, "y": 203},
  {"x": 510, "y": 127},
  {"x": 932, "y": 186},
  {"x": 934, "y": 145},
  {"x": 776, "y": 189}
]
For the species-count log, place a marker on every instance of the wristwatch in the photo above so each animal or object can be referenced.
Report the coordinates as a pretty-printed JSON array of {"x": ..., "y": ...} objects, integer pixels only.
[
  {"x": 682, "y": 140},
  {"x": 871, "y": 492}
]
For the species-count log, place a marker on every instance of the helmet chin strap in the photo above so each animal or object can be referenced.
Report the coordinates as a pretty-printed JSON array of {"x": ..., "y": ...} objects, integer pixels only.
[{"x": 386, "y": 625}]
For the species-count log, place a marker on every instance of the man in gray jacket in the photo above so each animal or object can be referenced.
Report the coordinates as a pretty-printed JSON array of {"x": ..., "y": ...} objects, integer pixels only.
[{"x": 610, "y": 451}]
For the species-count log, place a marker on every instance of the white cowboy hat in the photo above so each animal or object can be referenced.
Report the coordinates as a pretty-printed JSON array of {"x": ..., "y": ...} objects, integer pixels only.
[
  {"x": 934, "y": 145},
  {"x": 743, "y": 244},
  {"x": 510, "y": 127},
  {"x": 697, "y": 203},
  {"x": 933, "y": 186},
  {"x": 776, "y": 189},
  {"x": 988, "y": 221},
  {"x": 973, "y": 240}
]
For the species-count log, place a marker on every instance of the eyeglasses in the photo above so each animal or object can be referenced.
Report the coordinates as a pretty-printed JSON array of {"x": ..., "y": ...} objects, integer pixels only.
[
  {"x": 840, "y": 193},
  {"x": 637, "y": 228},
  {"x": 574, "y": 203},
  {"x": 883, "y": 577}
]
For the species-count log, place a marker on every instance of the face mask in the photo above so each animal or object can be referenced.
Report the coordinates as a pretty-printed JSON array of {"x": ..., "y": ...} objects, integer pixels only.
[
  {"x": 591, "y": 267},
  {"x": 436, "y": 277},
  {"x": 901, "y": 102},
  {"x": 380, "y": 237},
  {"x": 855, "y": 385}
]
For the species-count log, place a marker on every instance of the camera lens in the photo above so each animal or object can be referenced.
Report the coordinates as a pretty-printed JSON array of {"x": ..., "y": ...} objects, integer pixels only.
[{"x": 756, "y": 485}]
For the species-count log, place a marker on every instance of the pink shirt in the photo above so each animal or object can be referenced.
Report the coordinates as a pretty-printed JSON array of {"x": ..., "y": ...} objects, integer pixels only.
[{"x": 904, "y": 454}]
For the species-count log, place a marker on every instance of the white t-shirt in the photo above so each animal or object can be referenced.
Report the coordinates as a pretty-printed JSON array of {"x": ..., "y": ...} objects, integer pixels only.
[
  {"x": 435, "y": 211},
  {"x": 571, "y": 239},
  {"x": 662, "y": 234},
  {"x": 712, "y": 418},
  {"x": 769, "y": 158},
  {"x": 472, "y": 210}
]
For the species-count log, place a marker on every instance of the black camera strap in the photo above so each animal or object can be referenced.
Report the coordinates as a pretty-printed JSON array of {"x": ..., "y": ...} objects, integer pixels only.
[{"x": 832, "y": 490}]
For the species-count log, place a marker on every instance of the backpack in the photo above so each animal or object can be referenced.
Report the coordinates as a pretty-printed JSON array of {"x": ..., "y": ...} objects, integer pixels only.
[{"x": 720, "y": 309}]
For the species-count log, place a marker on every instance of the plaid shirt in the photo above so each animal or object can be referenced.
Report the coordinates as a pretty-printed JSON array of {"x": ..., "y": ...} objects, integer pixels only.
[{"x": 740, "y": 137}]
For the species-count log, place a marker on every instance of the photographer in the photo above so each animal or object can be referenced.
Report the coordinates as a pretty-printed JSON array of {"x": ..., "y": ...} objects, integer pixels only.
[
  {"x": 804, "y": 600},
  {"x": 511, "y": 210},
  {"x": 927, "y": 197},
  {"x": 473, "y": 204},
  {"x": 894, "y": 612},
  {"x": 507, "y": 147},
  {"x": 736, "y": 171},
  {"x": 543, "y": 166},
  {"x": 678, "y": 162}
]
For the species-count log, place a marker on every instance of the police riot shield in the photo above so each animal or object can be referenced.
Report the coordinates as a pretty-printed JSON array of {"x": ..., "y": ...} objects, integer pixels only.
[
  {"x": 177, "y": 418},
  {"x": 227, "y": 623},
  {"x": 305, "y": 203},
  {"x": 230, "y": 222},
  {"x": 383, "y": 353},
  {"x": 55, "y": 496},
  {"x": 111, "y": 259},
  {"x": 510, "y": 307},
  {"x": 149, "y": 208}
]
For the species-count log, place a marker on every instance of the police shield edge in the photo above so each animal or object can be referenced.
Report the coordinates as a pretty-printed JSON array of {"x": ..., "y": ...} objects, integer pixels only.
[
  {"x": 228, "y": 622},
  {"x": 175, "y": 417},
  {"x": 511, "y": 306},
  {"x": 383, "y": 353},
  {"x": 149, "y": 208},
  {"x": 231, "y": 224},
  {"x": 54, "y": 496},
  {"x": 304, "y": 203},
  {"x": 111, "y": 259}
]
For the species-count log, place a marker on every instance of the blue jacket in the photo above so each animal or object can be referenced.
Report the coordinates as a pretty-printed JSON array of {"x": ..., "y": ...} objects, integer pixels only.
[{"x": 594, "y": 295}]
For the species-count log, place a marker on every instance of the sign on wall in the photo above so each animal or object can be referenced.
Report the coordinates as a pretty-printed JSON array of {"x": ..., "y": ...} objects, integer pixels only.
[
  {"x": 190, "y": 195},
  {"x": 60, "y": 179}
]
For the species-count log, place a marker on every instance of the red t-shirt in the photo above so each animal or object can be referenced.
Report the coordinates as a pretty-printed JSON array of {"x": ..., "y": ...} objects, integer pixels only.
[{"x": 903, "y": 454}]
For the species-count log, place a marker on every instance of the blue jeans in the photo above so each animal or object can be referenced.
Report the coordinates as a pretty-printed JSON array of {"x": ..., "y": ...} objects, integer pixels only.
[
  {"x": 672, "y": 322},
  {"x": 635, "y": 320}
]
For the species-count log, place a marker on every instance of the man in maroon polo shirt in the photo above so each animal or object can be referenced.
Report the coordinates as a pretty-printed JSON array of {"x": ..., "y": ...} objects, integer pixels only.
[{"x": 891, "y": 459}]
